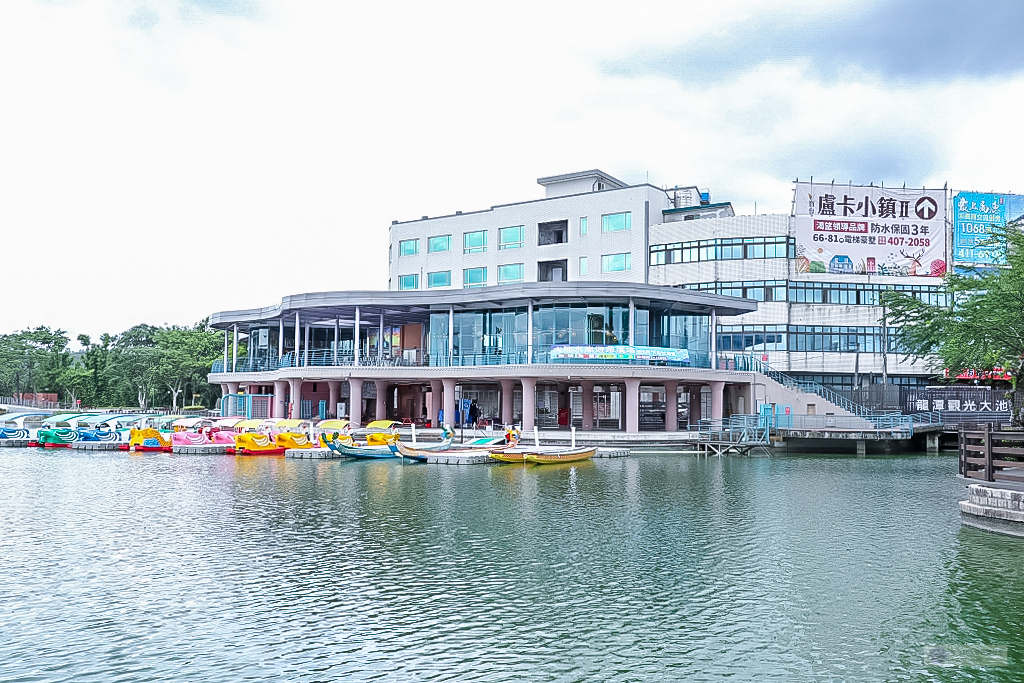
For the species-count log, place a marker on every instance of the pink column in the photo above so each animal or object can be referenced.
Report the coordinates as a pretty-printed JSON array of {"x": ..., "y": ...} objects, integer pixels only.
[
  {"x": 632, "y": 405},
  {"x": 232, "y": 387},
  {"x": 588, "y": 405},
  {"x": 355, "y": 400},
  {"x": 382, "y": 396},
  {"x": 449, "y": 401},
  {"x": 717, "y": 399},
  {"x": 671, "y": 402},
  {"x": 280, "y": 407},
  {"x": 507, "y": 387},
  {"x": 334, "y": 387},
  {"x": 295, "y": 389},
  {"x": 529, "y": 403},
  {"x": 436, "y": 401},
  {"x": 224, "y": 390}
]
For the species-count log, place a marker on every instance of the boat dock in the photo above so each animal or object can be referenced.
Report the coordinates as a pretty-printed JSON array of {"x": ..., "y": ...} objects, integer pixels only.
[
  {"x": 435, "y": 459},
  {"x": 95, "y": 445},
  {"x": 13, "y": 443},
  {"x": 202, "y": 449}
]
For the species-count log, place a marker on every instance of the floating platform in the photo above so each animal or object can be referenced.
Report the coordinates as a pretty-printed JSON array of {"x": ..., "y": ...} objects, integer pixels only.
[
  {"x": 459, "y": 459},
  {"x": 313, "y": 454},
  {"x": 611, "y": 453},
  {"x": 13, "y": 443},
  {"x": 95, "y": 445},
  {"x": 202, "y": 449}
]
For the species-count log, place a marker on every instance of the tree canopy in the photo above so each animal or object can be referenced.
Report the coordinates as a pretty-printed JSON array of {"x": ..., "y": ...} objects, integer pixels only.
[{"x": 983, "y": 328}]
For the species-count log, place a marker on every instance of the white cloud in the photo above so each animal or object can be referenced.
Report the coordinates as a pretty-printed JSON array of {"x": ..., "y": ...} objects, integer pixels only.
[{"x": 164, "y": 160}]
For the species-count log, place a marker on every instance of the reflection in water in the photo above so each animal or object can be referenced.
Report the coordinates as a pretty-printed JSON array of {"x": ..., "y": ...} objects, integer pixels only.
[{"x": 646, "y": 568}]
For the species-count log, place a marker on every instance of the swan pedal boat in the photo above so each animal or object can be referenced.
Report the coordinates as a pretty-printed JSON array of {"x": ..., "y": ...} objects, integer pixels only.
[{"x": 378, "y": 444}]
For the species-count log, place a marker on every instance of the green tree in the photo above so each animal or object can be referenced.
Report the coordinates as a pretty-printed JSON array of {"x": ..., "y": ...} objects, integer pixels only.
[
  {"x": 186, "y": 355},
  {"x": 96, "y": 359},
  {"x": 983, "y": 329},
  {"x": 133, "y": 362}
]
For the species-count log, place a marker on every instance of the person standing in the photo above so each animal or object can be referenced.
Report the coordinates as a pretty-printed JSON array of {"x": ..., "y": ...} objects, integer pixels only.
[{"x": 474, "y": 413}]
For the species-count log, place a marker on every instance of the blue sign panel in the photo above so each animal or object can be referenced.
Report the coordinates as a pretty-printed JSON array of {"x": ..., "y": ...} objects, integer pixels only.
[{"x": 974, "y": 214}]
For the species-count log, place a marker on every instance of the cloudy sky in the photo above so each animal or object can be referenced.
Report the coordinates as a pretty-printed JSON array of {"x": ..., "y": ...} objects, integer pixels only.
[{"x": 164, "y": 159}]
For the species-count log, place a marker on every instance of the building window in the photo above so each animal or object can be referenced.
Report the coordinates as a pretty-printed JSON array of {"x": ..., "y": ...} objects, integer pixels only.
[
  {"x": 512, "y": 272},
  {"x": 552, "y": 232},
  {"x": 510, "y": 238},
  {"x": 408, "y": 247},
  {"x": 441, "y": 278},
  {"x": 474, "y": 277},
  {"x": 474, "y": 242},
  {"x": 727, "y": 249},
  {"x": 408, "y": 281},
  {"x": 583, "y": 225},
  {"x": 583, "y": 265},
  {"x": 614, "y": 263},
  {"x": 553, "y": 271},
  {"x": 614, "y": 222},
  {"x": 439, "y": 243}
]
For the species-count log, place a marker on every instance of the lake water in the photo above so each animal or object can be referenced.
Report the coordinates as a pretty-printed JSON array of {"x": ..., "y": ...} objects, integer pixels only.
[{"x": 650, "y": 568}]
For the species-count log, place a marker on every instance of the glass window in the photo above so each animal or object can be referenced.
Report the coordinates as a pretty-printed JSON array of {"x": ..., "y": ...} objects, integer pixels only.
[
  {"x": 509, "y": 238},
  {"x": 408, "y": 281},
  {"x": 611, "y": 263},
  {"x": 474, "y": 242},
  {"x": 583, "y": 225},
  {"x": 439, "y": 243},
  {"x": 512, "y": 272},
  {"x": 614, "y": 222},
  {"x": 441, "y": 278},
  {"x": 583, "y": 265},
  {"x": 474, "y": 277},
  {"x": 408, "y": 247}
]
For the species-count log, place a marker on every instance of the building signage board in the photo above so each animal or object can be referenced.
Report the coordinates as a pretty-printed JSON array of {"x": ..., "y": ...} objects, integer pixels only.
[
  {"x": 956, "y": 399},
  {"x": 620, "y": 353},
  {"x": 844, "y": 229},
  {"x": 974, "y": 214}
]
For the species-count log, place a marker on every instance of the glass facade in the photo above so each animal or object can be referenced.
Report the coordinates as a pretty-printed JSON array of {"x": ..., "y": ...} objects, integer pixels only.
[
  {"x": 821, "y": 292},
  {"x": 733, "y": 248},
  {"x": 834, "y": 339}
]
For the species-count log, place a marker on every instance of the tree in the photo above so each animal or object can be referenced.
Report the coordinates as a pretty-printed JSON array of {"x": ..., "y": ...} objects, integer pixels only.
[
  {"x": 983, "y": 328},
  {"x": 186, "y": 356},
  {"x": 133, "y": 360}
]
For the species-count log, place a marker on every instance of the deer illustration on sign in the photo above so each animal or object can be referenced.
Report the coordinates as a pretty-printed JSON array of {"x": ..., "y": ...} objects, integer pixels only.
[{"x": 915, "y": 260}]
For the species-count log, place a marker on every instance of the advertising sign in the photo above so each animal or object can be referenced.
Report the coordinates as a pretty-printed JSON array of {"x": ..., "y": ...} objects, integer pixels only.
[
  {"x": 843, "y": 229},
  {"x": 974, "y": 214},
  {"x": 626, "y": 353}
]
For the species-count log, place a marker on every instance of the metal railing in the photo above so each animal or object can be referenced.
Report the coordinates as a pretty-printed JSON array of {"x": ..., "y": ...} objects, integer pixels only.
[{"x": 739, "y": 429}]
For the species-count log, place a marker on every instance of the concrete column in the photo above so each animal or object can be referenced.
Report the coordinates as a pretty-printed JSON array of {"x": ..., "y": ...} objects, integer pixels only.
[
  {"x": 449, "y": 401},
  {"x": 280, "y": 407},
  {"x": 933, "y": 442},
  {"x": 695, "y": 412},
  {"x": 337, "y": 338},
  {"x": 295, "y": 389},
  {"x": 234, "y": 351},
  {"x": 380, "y": 340},
  {"x": 588, "y": 405},
  {"x": 382, "y": 399},
  {"x": 436, "y": 401},
  {"x": 225, "y": 366},
  {"x": 334, "y": 387},
  {"x": 355, "y": 400},
  {"x": 280, "y": 338},
  {"x": 862, "y": 449},
  {"x": 355, "y": 340},
  {"x": 298, "y": 332},
  {"x": 507, "y": 387},
  {"x": 717, "y": 399},
  {"x": 632, "y": 405},
  {"x": 529, "y": 333},
  {"x": 632, "y": 322},
  {"x": 451, "y": 341},
  {"x": 224, "y": 390},
  {"x": 305, "y": 347},
  {"x": 529, "y": 403},
  {"x": 233, "y": 387},
  {"x": 671, "y": 402}
]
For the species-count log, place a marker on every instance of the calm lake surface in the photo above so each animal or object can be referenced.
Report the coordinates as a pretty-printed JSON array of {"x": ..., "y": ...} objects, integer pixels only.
[{"x": 650, "y": 568}]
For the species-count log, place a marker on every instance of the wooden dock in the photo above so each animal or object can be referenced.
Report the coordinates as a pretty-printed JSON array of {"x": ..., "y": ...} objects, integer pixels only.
[{"x": 201, "y": 449}]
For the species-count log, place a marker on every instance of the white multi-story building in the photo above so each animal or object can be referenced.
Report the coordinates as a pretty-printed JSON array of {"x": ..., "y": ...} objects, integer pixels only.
[{"x": 590, "y": 226}]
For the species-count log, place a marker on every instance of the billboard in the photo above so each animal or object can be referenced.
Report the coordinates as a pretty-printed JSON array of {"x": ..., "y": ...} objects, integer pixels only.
[
  {"x": 957, "y": 399},
  {"x": 974, "y": 214},
  {"x": 620, "y": 353},
  {"x": 844, "y": 229}
]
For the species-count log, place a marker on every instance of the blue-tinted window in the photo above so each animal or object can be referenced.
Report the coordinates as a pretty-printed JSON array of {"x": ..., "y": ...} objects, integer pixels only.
[
  {"x": 614, "y": 222},
  {"x": 510, "y": 238},
  {"x": 474, "y": 242},
  {"x": 439, "y": 243},
  {"x": 442, "y": 278},
  {"x": 512, "y": 272},
  {"x": 583, "y": 225},
  {"x": 474, "y": 277},
  {"x": 408, "y": 247},
  {"x": 408, "y": 281},
  {"x": 612, "y": 263}
]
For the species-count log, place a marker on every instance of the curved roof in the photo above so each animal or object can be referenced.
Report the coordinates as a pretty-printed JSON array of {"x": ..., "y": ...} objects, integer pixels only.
[{"x": 401, "y": 307}]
